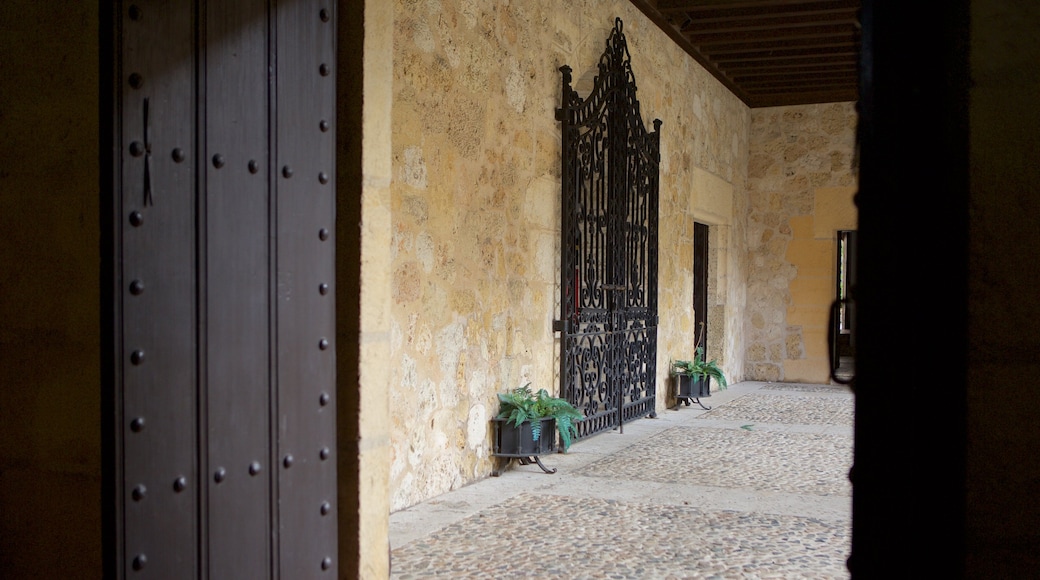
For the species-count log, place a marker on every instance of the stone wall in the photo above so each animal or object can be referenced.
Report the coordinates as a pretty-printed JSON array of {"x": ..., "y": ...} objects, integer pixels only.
[
  {"x": 475, "y": 212},
  {"x": 800, "y": 184}
]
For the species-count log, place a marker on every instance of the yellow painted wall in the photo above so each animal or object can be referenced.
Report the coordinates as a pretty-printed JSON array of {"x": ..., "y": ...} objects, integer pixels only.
[
  {"x": 800, "y": 184},
  {"x": 813, "y": 252}
]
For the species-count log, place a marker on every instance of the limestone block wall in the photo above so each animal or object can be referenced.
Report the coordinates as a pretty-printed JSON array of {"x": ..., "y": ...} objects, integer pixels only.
[
  {"x": 475, "y": 197},
  {"x": 800, "y": 184}
]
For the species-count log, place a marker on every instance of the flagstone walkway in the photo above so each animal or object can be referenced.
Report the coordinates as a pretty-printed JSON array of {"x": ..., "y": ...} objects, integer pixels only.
[{"x": 756, "y": 487}]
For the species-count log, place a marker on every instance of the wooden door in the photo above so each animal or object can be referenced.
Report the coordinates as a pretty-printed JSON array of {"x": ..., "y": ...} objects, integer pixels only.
[{"x": 220, "y": 379}]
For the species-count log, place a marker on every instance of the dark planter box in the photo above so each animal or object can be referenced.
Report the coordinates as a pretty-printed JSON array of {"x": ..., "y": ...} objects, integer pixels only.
[
  {"x": 691, "y": 388},
  {"x": 511, "y": 441}
]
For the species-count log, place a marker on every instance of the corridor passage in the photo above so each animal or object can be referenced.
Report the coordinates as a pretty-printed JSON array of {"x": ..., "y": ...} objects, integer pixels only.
[{"x": 757, "y": 487}]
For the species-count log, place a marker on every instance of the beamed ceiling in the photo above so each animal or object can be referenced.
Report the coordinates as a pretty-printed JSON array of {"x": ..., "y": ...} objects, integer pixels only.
[{"x": 769, "y": 52}]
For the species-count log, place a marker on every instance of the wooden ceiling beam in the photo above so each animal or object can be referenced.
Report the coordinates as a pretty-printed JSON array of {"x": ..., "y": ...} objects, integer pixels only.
[
  {"x": 790, "y": 33},
  {"x": 803, "y": 98},
  {"x": 804, "y": 84},
  {"x": 827, "y": 44},
  {"x": 745, "y": 78},
  {"x": 776, "y": 53},
  {"x": 823, "y": 33},
  {"x": 754, "y": 24},
  {"x": 829, "y": 34},
  {"x": 738, "y": 68},
  {"x": 748, "y": 79},
  {"x": 796, "y": 95},
  {"x": 829, "y": 57},
  {"x": 723, "y": 13},
  {"x": 664, "y": 6}
]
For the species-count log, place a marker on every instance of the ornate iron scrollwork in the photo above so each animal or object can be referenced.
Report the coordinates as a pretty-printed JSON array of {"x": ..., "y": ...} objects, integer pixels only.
[{"x": 608, "y": 282}]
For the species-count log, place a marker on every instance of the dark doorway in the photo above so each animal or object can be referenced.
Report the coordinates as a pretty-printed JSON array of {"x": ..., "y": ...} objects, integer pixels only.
[
  {"x": 700, "y": 282},
  {"x": 219, "y": 372}
]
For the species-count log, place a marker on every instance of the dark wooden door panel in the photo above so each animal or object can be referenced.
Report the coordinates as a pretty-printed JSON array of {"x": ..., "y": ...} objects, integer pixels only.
[
  {"x": 306, "y": 315},
  {"x": 223, "y": 353},
  {"x": 155, "y": 301},
  {"x": 237, "y": 320}
]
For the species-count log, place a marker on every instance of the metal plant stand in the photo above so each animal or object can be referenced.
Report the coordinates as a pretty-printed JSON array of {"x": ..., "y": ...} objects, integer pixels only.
[
  {"x": 687, "y": 400},
  {"x": 523, "y": 460}
]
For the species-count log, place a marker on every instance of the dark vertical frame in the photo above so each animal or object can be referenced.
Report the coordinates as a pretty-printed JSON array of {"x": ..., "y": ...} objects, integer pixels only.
[
  {"x": 306, "y": 342},
  {"x": 908, "y": 475},
  {"x": 350, "y": 76},
  {"x": 109, "y": 34}
]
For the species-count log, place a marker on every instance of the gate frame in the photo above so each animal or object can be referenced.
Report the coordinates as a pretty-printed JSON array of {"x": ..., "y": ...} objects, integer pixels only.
[{"x": 608, "y": 306}]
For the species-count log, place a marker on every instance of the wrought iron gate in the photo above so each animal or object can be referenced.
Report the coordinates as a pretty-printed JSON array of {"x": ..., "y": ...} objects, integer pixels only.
[
  {"x": 221, "y": 373},
  {"x": 608, "y": 283}
]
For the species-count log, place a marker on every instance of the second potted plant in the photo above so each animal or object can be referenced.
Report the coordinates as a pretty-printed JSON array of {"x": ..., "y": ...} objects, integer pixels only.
[{"x": 693, "y": 377}]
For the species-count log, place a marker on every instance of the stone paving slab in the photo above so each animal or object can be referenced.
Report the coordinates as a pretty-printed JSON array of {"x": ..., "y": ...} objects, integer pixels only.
[
  {"x": 797, "y": 387},
  {"x": 807, "y": 409},
  {"x": 804, "y": 463},
  {"x": 550, "y": 536}
]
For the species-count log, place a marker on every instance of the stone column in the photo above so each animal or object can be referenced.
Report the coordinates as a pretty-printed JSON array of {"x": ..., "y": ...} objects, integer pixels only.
[{"x": 365, "y": 84}]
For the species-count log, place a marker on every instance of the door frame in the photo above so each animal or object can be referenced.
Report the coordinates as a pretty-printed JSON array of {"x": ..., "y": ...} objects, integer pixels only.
[{"x": 910, "y": 386}]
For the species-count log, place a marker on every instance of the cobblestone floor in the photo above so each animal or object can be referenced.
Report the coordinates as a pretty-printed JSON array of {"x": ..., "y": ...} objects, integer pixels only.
[
  {"x": 726, "y": 493},
  {"x": 798, "y": 409},
  {"x": 738, "y": 458}
]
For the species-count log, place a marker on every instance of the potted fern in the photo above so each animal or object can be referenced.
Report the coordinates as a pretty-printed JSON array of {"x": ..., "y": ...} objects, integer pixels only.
[
  {"x": 693, "y": 377},
  {"x": 527, "y": 424}
]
